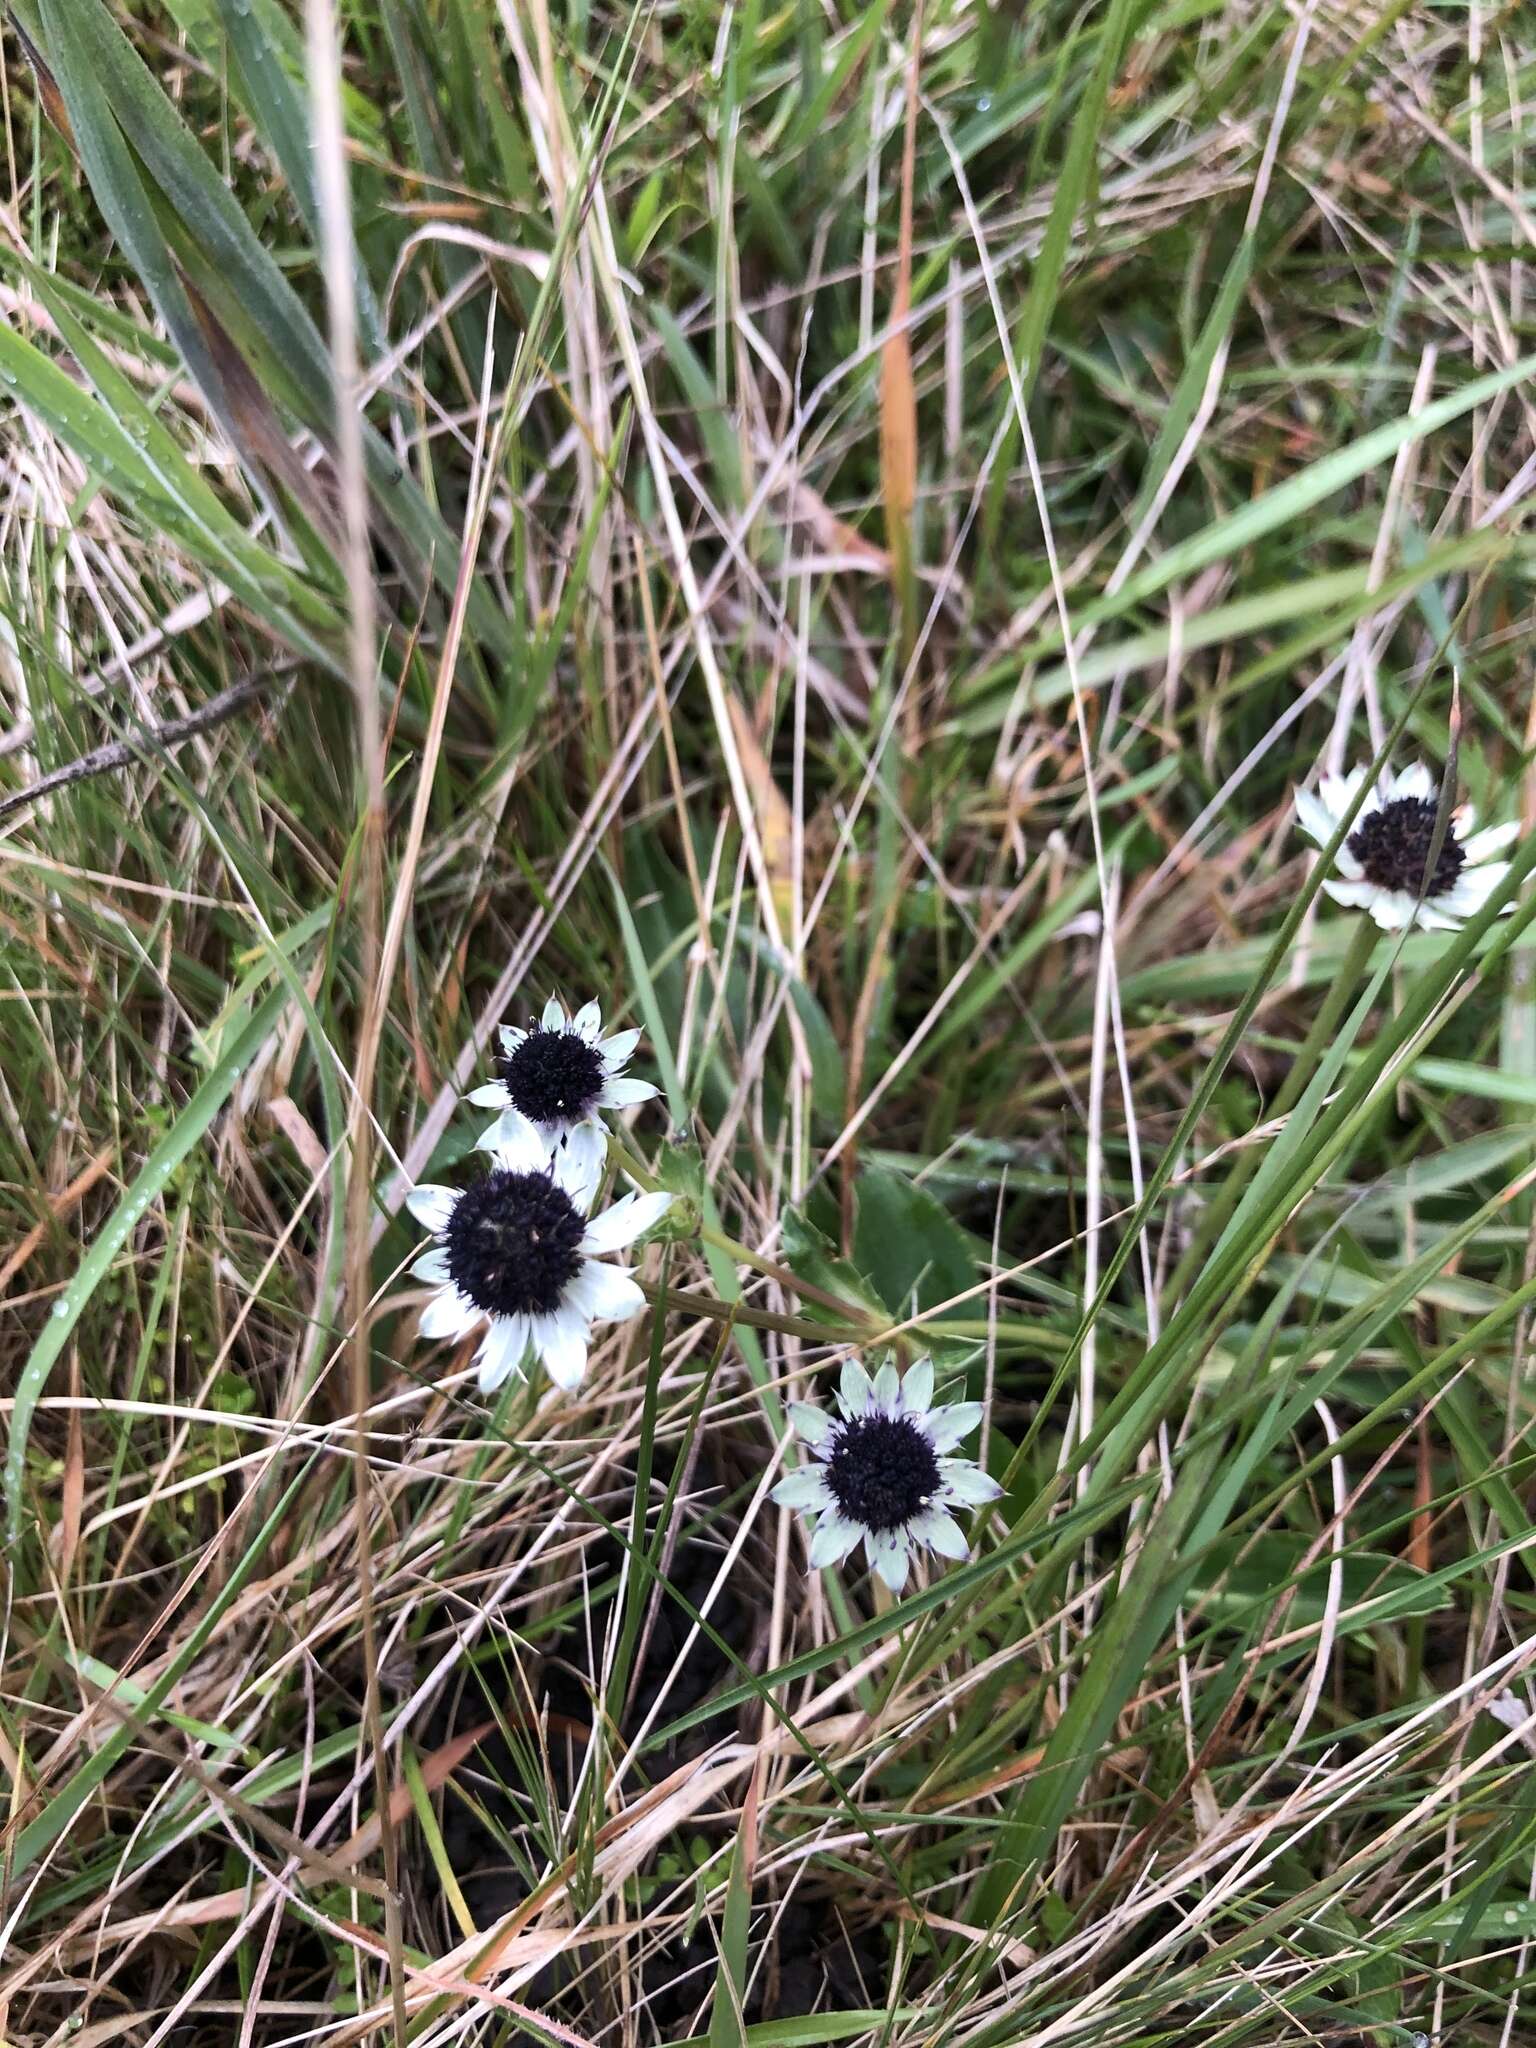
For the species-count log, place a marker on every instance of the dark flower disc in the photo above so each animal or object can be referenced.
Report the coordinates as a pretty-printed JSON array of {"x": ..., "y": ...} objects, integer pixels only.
[
  {"x": 1393, "y": 847},
  {"x": 883, "y": 1470},
  {"x": 554, "y": 1076},
  {"x": 514, "y": 1243}
]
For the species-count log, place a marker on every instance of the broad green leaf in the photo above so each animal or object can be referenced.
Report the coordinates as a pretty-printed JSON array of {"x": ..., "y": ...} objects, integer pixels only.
[{"x": 908, "y": 1244}]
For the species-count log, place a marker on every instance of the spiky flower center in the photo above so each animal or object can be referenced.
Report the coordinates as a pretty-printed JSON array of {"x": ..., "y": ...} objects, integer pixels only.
[
  {"x": 514, "y": 1243},
  {"x": 553, "y": 1077},
  {"x": 1393, "y": 846},
  {"x": 883, "y": 1470}
]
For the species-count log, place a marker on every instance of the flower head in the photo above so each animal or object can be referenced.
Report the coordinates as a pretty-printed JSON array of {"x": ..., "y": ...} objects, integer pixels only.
[
  {"x": 879, "y": 1473},
  {"x": 1383, "y": 862},
  {"x": 517, "y": 1251},
  {"x": 561, "y": 1073}
]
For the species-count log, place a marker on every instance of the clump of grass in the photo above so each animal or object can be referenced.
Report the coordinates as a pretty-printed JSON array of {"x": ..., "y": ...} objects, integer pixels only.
[{"x": 859, "y": 521}]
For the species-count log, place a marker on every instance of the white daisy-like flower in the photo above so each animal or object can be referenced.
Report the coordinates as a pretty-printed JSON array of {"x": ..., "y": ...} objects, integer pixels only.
[
  {"x": 1381, "y": 864},
  {"x": 880, "y": 1474},
  {"x": 561, "y": 1074},
  {"x": 518, "y": 1252}
]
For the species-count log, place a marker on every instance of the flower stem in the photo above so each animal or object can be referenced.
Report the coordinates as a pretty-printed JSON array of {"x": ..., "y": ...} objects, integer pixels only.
[
  {"x": 743, "y": 1255},
  {"x": 1217, "y": 1214}
]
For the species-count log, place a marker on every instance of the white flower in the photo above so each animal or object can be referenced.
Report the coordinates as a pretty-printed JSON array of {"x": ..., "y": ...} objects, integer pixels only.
[
  {"x": 560, "y": 1074},
  {"x": 880, "y": 1474},
  {"x": 1508, "y": 1711},
  {"x": 517, "y": 1252},
  {"x": 1382, "y": 862}
]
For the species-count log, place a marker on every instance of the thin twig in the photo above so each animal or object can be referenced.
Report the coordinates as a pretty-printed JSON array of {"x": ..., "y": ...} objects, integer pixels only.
[{"x": 152, "y": 740}]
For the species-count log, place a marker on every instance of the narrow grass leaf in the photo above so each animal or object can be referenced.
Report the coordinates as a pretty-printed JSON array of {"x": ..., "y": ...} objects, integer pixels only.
[{"x": 147, "y": 1185}]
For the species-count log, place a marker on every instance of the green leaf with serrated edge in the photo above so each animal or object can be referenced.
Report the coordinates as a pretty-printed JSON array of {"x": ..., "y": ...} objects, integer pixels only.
[{"x": 812, "y": 1255}]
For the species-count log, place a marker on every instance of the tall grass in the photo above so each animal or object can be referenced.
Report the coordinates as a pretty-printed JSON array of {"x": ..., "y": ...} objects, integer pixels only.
[{"x": 856, "y": 522}]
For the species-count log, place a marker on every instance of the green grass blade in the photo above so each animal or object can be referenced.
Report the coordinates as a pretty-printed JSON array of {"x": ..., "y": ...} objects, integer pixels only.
[{"x": 148, "y": 1183}]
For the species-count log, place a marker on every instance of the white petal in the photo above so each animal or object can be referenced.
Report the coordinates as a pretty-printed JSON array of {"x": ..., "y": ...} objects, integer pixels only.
[
  {"x": 811, "y": 1425},
  {"x": 502, "y": 1352},
  {"x": 1314, "y": 817},
  {"x": 964, "y": 1483},
  {"x": 1508, "y": 1711},
  {"x": 1393, "y": 909},
  {"x": 888, "y": 1387},
  {"x": 626, "y": 1220},
  {"x": 1492, "y": 839},
  {"x": 1415, "y": 780},
  {"x": 917, "y": 1387},
  {"x": 616, "y": 1050},
  {"x": 511, "y": 1037},
  {"x": 432, "y": 1206},
  {"x": 947, "y": 1426},
  {"x": 1464, "y": 898},
  {"x": 621, "y": 1091},
  {"x": 561, "y": 1341},
  {"x": 941, "y": 1532},
  {"x": 1432, "y": 917},
  {"x": 833, "y": 1540},
  {"x": 588, "y": 1023},
  {"x": 1355, "y": 895},
  {"x": 1346, "y": 863},
  {"x": 448, "y": 1314},
  {"x": 604, "y": 1292},
  {"x": 578, "y": 1163},
  {"x": 518, "y": 1144},
  {"x": 853, "y": 1389},
  {"x": 1474, "y": 886},
  {"x": 888, "y": 1555},
  {"x": 490, "y": 1095},
  {"x": 554, "y": 1015},
  {"x": 805, "y": 1489},
  {"x": 1338, "y": 793},
  {"x": 432, "y": 1265}
]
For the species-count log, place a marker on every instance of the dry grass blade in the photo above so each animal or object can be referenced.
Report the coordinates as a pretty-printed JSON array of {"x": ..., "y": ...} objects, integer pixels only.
[
  {"x": 898, "y": 392},
  {"x": 334, "y": 205}
]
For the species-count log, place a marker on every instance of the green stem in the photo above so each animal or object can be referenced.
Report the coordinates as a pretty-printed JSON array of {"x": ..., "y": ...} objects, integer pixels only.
[
  {"x": 1218, "y": 1212},
  {"x": 676, "y": 1301},
  {"x": 743, "y": 1255}
]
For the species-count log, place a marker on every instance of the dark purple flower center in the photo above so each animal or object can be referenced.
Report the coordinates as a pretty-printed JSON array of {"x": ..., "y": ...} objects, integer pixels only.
[
  {"x": 1393, "y": 846},
  {"x": 514, "y": 1243},
  {"x": 554, "y": 1077},
  {"x": 883, "y": 1470}
]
